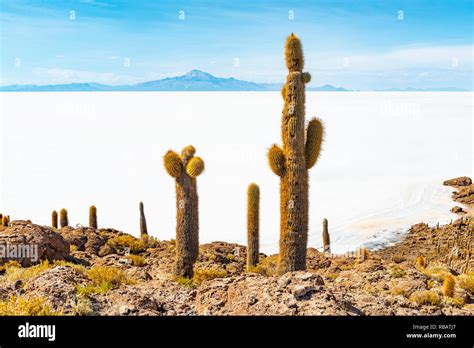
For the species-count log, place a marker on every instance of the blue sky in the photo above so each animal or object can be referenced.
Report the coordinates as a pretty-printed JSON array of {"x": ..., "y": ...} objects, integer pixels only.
[{"x": 363, "y": 44}]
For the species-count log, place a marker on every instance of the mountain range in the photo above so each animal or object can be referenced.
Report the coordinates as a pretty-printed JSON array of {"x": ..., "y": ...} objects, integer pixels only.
[{"x": 195, "y": 80}]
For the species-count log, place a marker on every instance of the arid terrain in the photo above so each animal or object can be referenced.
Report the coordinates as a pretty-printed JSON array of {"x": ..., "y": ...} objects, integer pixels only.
[{"x": 86, "y": 271}]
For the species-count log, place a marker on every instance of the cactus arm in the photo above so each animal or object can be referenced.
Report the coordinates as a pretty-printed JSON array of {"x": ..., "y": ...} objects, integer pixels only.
[
  {"x": 314, "y": 139},
  {"x": 306, "y": 77},
  {"x": 173, "y": 164},
  {"x": 276, "y": 160},
  {"x": 195, "y": 167}
]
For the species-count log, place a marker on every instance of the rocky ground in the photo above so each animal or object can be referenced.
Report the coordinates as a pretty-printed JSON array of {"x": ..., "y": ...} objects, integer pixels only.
[{"x": 106, "y": 272}]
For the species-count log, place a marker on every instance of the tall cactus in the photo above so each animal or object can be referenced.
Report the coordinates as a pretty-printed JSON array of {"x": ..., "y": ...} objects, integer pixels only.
[
  {"x": 185, "y": 169},
  {"x": 54, "y": 219},
  {"x": 253, "y": 212},
  {"x": 326, "y": 240},
  {"x": 93, "y": 217},
  {"x": 63, "y": 219},
  {"x": 291, "y": 163},
  {"x": 143, "y": 228}
]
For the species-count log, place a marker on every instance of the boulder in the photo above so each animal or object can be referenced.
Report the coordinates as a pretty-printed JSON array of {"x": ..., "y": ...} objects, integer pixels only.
[
  {"x": 32, "y": 243},
  {"x": 461, "y": 181}
]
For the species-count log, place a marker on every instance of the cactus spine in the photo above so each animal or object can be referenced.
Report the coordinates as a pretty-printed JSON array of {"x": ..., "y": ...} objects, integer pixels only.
[
  {"x": 54, "y": 219},
  {"x": 93, "y": 217},
  {"x": 291, "y": 163},
  {"x": 143, "y": 228},
  {"x": 253, "y": 216},
  {"x": 185, "y": 169},
  {"x": 63, "y": 220},
  {"x": 326, "y": 241}
]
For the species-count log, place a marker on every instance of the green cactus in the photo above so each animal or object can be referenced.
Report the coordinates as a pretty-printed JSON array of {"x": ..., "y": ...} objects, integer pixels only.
[
  {"x": 63, "y": 219},
  {"x": 185, "y": 169},
  {"x": 291, "y": 163},
  {"x": 253, "y": 212},
  {"x": 93, "y": 217},
  {"x": 54, "y": 219},
  {"x": 326, "y": 240},
  {"x": 143, "y": 228}
]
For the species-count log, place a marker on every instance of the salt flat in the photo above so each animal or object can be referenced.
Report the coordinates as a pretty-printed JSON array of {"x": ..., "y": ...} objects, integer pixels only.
[{"x": 385, "y": 157}]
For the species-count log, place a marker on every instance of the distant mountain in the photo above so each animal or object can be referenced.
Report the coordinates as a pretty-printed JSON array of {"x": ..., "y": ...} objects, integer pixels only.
[
  {"x": 195, "y": 80},
  {"x": 412, "y": 89}
]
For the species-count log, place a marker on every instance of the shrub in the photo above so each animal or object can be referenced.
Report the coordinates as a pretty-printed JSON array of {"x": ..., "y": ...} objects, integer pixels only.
[
  {"x": 185, "y": 281},
  {"x": 83, "y": 305},
  {"x": 201, "y": 275},
  {"x": 268, "y": 266},
  {"x": 14, "y": 271},
  {"x": 454, "y": 301},
  {"x": 124, "y": 241},
  {"x": 25, "y": 306},
  {"x": 398, "y": 291},
  {"x": 466, "y": 282},
  {"x": 136, "y": 260},
  {"x": 436, "y": 272},
  {"x": 398, "y": 272},
  {"x": 103, "y": 279},
  {"x": 426, "y": 297}
]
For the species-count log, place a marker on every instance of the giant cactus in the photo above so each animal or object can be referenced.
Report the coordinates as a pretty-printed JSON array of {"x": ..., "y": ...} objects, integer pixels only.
[
  {"x": 54, "y": 219},
  {"x": 291, "y": 163},
  {"x": 63, "y": 219},
  {"x": 253, "y": 207},
  {"x": 143, "y": 228},
  {"x": 93, "y": 217},
  {"x": 185, "y": 169}
]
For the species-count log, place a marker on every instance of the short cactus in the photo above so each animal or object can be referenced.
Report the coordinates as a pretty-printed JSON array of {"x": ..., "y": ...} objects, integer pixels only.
[
  {"x": 54, "y": 219},
  {"x": 291, "y": 163},
  {"x": 448, "y": 286},
  {"x": 253, "y": 212},
  {"x": 421, "y": 262},
  {"x": 185, "y": 169},
  {"x": 326, "y": 241},
  {"x": 93, "y": 217},
  {"x": 143, "y": 228},
  {"x": 63, "y": 219}
]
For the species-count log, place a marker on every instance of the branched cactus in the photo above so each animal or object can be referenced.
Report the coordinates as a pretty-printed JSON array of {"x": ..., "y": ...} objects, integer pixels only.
[
  {"x": 253, "y": 213},
  {"x": 185, "y": 169},
  {"x": 63, "y": 219},
  {"x": 54, "y": 219},
  {"x": 93, "y": 217},
  {"x": 326, "y": 241},
  {"x": 291, "y": 163},
  {"x": 143, "y": 228}
]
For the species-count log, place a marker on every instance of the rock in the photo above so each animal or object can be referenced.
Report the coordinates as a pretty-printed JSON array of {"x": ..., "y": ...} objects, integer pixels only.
[
  {"x": 465, "y": 195},
  {"x": 457, "y": 210},
  {"x": 49, "y": 244},
  {"x": 57, "y": 285},
  {"x": 461, "y": 181},
  {"x": 300, "y": 291}
]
